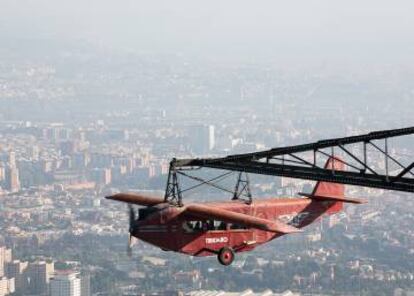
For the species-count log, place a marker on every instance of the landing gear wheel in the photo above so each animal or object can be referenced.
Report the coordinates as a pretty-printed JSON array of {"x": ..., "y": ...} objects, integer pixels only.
[{"x": 226, "y": 256}]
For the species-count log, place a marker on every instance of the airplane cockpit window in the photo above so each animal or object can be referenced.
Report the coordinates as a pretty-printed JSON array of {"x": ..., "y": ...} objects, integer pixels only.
[
  {"x": 220, "y": 225},
  {"x": 192, "y": 226},
  {"x": 234, "y": 226},
  {"x": 216, "y": 225},
  {"x": 209, "y": 225}
]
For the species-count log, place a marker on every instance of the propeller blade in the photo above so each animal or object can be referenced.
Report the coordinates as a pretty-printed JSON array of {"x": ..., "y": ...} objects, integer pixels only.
[
  {"x": 131, "y": 217},
  {"x": 131, "y": 227},
  {"x": 129, "y": 247}
]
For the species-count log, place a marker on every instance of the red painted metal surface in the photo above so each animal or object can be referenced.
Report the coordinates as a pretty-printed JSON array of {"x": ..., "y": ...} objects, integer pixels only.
[
  {"x": 167, "y": 228},
  {"x": 203, "y": 229}
]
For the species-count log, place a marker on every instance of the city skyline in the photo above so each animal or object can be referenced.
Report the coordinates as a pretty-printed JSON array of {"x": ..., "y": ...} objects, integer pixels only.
[{"x": 98, "y": 97}]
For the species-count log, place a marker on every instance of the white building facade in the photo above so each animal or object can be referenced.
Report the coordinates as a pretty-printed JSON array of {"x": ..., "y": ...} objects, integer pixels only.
[{"x": 67, "y": 284}]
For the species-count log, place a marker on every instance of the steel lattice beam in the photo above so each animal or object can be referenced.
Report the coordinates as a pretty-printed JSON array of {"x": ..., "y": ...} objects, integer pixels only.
[
  {"x": 261, "y": 162},
  {"x": 304, "y": 147},
  {"x": 318, "y": 174}
]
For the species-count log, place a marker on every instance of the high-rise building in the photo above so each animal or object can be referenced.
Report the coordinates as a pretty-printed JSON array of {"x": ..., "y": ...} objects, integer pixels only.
[
  {"x": 12, "y": 159},
  {"x": 34, "y": 152},
  {"x": 211, "y": 137},
  {"x": 11, "y": 174},
  {"x": 5, "y": 256},
  {"x": 2, "y": 173},
  {"x": 202, "y": 138},
  {"x": 65, "y": 284},
  {"x": 38, "y": 276},
  {"x": 16, "y": 269},
  {"x": 80, "y": 160},
  {"x": 99, "y": 160},
  {"x": 67, "y": 147},
  {"x": 85, "y": 284},
  {"x": 12, "y": 180},
  {"x": 102, "y": 176},
  {"x": 6, "y": 286}
]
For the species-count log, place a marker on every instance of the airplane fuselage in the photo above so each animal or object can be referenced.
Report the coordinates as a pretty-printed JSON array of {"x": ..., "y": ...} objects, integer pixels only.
[{"x": 173, "y": 230}]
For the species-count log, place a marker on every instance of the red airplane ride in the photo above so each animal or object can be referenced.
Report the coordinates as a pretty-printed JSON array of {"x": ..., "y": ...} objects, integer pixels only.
[{"x": 226, "y": 228}]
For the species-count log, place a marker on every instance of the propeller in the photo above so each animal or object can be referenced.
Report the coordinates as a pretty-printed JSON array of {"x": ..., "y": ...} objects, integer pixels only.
[{"x": 131, "y": 228}]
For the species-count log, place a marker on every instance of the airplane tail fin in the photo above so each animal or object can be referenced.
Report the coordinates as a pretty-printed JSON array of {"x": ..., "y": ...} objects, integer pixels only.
[
  {"x": 331, "y": 191},
  {"x": 334, "y": 192}
]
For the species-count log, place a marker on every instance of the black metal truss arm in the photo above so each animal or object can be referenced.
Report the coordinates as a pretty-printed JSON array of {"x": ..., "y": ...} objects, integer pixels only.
[
  {"x": 299, "y": 167},
  {"x": 319, "y": 174},
  {"x": 378, "y": 135}
]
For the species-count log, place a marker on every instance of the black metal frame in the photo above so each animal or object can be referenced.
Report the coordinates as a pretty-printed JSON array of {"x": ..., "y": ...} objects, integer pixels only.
[
  {"x": 285, "y": 161},
  {"x": 243, "y": 186},
  {"x": 173, "y": 192}
]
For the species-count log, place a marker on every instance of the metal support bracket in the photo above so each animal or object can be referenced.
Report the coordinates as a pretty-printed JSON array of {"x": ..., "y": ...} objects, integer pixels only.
[
  {"x": 243, "y": 188},
  {"x": 173, "y": 192}
]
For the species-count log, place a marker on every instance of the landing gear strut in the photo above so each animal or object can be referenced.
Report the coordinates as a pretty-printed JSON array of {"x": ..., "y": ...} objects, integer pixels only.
[{"x": 225, "y": 256}]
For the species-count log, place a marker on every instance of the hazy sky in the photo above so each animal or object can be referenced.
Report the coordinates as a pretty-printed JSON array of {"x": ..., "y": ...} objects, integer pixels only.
[{"x": 366, "y": 29}]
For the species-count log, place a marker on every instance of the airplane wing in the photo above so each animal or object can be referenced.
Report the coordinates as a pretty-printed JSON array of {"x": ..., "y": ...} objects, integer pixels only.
[
  {"x": 204, "y": 211},
  {"x": 207, "y": 212},
  {"x": 138, "y": 199}
]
